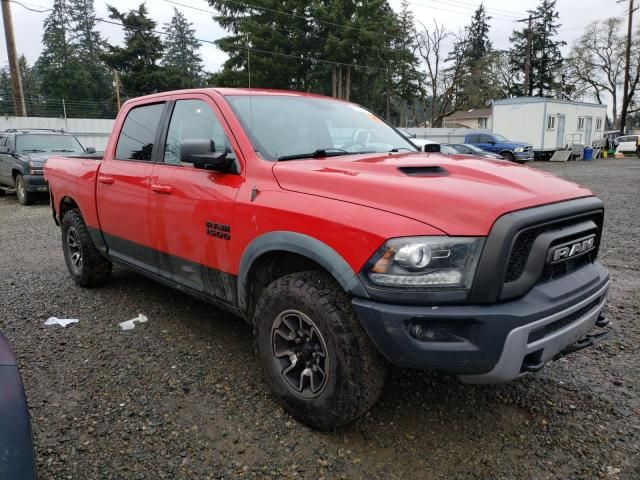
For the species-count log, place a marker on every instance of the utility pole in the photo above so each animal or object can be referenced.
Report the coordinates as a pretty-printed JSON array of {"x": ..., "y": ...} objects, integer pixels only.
[
  {"x": 627, "y": 66},
  {"x": 116, "y": 86},
  {"x": 527, "y": 66},
  {"x": 14, "y": 68}
]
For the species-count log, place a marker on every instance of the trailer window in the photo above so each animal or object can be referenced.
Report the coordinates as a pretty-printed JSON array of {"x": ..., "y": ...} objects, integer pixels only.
[
  {"x": 580, "y": 123},
  {"x": 551, "y": 122}
]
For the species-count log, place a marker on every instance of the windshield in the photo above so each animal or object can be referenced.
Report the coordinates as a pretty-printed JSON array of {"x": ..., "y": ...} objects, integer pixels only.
[
  {"x": 448, "y": 150},
  {"x": 35, "y": 143},
  {"x": 468, "y": 148},
  {"x": 288, "y": 127},
  {"x": 500, "y": 138}
]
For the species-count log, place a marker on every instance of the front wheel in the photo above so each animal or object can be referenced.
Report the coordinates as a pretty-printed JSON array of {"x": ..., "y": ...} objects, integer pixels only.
[
  {"x": 509, "y": 156},
  {"x": 87, "y": 266},
  {"x": 25, "y": 197},
  {"x": 317, "y": 360}
]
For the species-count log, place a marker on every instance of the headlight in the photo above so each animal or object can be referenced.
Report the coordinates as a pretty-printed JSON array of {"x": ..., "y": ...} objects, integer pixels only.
[
  {"x": 426, "y": 262},
  {"x": 35, "y": 168},
  {"x": 519, "y": 150}
]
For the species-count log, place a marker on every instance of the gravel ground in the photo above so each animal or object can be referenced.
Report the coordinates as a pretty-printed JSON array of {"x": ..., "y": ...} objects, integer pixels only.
[{"x": 182, "y": 396}]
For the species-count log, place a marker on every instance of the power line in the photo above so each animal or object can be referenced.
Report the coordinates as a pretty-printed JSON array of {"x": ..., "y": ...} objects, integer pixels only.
[
  {"x": 255, "y": 50},
  {"x": 280, "y": 12},
  {"x": 465, "y": 10},
  {"x": 24, "y": 5}
]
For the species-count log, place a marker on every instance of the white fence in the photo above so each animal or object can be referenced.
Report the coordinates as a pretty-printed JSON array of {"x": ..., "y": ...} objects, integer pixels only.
[
  {"x": 445, "y": 135},
  {"x": 92, "y": 132}
]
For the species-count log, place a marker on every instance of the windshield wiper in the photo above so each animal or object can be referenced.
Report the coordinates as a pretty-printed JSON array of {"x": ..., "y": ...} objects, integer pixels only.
[
  {"x": 33, "y": 150},
  {"x": 319, "y": 153},
  {"x": 397, "y": 149},
  {"x": 63, "y": 150}
]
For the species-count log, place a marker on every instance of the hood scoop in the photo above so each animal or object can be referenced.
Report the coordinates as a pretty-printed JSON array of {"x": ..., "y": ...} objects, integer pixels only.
[{"x": 424, "y": 171}]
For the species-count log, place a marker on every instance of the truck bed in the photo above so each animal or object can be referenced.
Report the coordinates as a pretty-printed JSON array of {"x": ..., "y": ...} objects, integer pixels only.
[{"x": 74, "y": 178}]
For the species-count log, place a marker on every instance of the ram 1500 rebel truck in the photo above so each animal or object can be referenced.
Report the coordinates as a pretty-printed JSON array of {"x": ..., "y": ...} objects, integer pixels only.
[
  {"x": 23, "y": 153},
  {"x": 513, "y": 151},
  {"x": 344, "y": 246}
]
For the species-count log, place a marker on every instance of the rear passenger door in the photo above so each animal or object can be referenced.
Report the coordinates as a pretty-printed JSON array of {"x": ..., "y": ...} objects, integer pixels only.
[
  {"x": 192, "y": 223},
  {"x": 123, "y": 187}
]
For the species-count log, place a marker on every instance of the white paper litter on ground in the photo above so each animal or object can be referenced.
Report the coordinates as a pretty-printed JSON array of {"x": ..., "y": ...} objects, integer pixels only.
[
  {"x": 130, "y": 324},
  {"x": 61, "y": 321}
]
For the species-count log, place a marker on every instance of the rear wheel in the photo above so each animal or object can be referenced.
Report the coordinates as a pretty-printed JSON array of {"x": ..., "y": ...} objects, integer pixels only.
[
  {"x": 24, "y": 196},
  {"x": 87, "y": 266},
  {"x": 317, "y": 360}
]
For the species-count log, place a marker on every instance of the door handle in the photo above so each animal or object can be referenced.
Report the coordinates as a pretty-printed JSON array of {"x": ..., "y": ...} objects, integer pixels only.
[
  {"x": 166, "y": 189},
  {"x": 106, "y": 179}
]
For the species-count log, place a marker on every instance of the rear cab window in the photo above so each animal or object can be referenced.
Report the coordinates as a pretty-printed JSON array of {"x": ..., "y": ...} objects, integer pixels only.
[{"x": 139, "y": 132}]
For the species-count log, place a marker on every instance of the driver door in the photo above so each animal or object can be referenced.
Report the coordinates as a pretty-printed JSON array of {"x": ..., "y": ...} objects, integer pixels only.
[{"x": 192, "y": 209}]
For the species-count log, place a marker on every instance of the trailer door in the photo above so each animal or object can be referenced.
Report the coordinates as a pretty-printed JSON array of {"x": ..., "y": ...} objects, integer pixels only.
[
  {"x": 560, "y": 135},
  {"x": 588, "y": 123}
]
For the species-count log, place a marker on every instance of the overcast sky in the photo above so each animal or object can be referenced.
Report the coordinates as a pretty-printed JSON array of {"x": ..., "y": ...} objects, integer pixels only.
[{"x": 455, "y": 14}]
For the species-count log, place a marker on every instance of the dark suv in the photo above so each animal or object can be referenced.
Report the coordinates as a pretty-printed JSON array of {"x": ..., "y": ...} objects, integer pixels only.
[{"x": 23, "y": 154}]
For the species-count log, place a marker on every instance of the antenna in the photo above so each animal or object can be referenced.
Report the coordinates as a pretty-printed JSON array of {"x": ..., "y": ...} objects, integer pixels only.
[{"x": 254, "y": 190}]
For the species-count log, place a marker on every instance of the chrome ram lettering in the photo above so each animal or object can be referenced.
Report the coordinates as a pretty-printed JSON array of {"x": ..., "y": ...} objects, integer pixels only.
[{"x": 573, "y": 249}]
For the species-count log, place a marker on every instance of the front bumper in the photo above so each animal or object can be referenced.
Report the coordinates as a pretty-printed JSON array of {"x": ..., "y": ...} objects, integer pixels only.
[
  {"x": 524, "y": 156},
  {"x": 489, "y": 343},
  {"x": 35, "y": 183}
]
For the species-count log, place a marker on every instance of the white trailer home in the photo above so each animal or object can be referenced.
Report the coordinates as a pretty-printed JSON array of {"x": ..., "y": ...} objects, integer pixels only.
[{"x": 547, "y": 123}]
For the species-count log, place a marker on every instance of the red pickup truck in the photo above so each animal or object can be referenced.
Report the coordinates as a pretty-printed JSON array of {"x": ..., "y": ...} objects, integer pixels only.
[{"x": 342, "y": 244}]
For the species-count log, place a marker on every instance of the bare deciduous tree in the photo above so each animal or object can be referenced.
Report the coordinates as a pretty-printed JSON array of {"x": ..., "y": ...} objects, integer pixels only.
[
  {"x": 596, "y": 62},
  {"x": 444, "y": 69}
]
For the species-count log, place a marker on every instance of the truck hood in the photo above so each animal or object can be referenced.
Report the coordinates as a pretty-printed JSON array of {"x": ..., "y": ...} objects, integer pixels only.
[
  {"x": 458, "y": 195},
  {"x": 512, "y": 145}
]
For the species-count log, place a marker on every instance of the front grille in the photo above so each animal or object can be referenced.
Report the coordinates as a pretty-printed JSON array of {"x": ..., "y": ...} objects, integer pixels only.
[
  {"x": 556, "y": 270},
  {"x": 548, "y": 329},
  {"x": 520, "y": 254},
  {"x": 525, "y": 239}
]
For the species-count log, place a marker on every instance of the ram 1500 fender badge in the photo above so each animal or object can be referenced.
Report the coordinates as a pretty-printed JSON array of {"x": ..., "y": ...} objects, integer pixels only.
[
  {"x": 219, "y": 230},
  {"x": 572, "y": 249}
]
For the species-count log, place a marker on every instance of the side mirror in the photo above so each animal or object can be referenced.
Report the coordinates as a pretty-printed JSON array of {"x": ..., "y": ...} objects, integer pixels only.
[
  {"x": 90, "y": 150},
  {"x": 491, "y": 142},
  {"x": 432, "y": 147},
  {"x": 201, "y": 153}
]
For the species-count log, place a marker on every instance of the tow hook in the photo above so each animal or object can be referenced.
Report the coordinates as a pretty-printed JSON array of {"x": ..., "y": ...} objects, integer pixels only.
[{"x": 588, "y": 341}]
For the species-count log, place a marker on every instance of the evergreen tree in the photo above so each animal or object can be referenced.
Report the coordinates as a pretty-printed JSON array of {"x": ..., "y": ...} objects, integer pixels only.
[
  {"x": 94, "y": 78},
  {"x": 318, "y": 46},
  {"x": 6, "y": 99},
  {"x": 405, "y": 62},
  {"x": 138, "y": 60},
  {"x": 474, "y": 51},
  {"x": 181, "y": 60},
  {"x": 546, "y": 59},
  {"x": 30, "y": 85},
  {"x": 57, "y": 64}
]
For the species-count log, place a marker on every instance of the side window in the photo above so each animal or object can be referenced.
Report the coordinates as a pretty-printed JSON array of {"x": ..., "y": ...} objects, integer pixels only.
[
  {"x": 473, "y": 139},
  {"x": 193, "y": 119},
  {"x": 551, "y": 122},
  {"x": 485, "y": 138},
  {"x": 3, "y": 139},
  {"x": 139, "y": 132}
]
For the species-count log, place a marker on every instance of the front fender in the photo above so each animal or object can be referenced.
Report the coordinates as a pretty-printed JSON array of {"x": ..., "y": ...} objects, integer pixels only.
[{"x": 301, "y": 244}]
